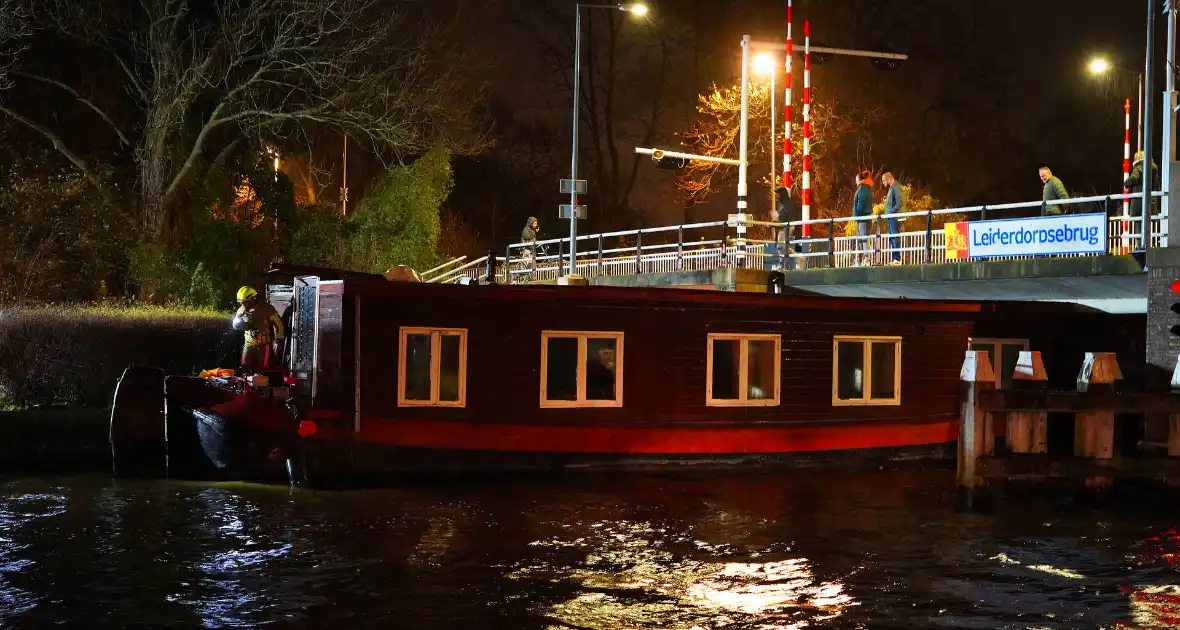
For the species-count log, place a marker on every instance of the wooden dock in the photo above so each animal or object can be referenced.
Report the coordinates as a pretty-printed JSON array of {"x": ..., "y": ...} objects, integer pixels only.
[{"x": 1004, "y": 434}]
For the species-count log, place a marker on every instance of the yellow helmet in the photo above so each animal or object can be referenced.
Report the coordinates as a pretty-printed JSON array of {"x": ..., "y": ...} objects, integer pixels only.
[{"x": 246, "y": 293}]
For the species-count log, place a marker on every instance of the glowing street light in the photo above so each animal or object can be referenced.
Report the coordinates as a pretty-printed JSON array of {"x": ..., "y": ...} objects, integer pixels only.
[
  {"x": 1100, "y": 66},
  {"x": 764, "y": 64},
  {"x": 638, "y": 10}
]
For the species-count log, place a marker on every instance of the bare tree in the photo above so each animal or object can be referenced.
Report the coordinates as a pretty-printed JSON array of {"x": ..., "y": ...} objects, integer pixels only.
[
  {"x": 716, "y": 133},
  {"x": 204, "y": 80},
  {"x": 14, "y": 29}
]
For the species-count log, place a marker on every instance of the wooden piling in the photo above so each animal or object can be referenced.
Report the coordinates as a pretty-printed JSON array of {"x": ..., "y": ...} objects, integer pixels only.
[
  {"x": 1027, "y": 431},
  {"x": 1094, "y": 430},
  {"x": 974, "y": 437}
]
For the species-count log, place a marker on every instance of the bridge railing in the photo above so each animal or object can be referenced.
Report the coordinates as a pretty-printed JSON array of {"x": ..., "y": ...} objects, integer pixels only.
[{"x": 833, "y": 242}]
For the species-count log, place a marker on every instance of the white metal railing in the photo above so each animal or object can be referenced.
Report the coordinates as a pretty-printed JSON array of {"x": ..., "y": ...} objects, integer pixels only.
[{"x": 835, "y": 243}]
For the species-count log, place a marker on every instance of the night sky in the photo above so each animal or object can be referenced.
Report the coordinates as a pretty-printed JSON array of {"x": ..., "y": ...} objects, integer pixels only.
[{"x": 992, "y": 91}]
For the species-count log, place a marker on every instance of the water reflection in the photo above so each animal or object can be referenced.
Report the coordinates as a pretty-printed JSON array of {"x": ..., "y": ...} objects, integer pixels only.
[
  {"x": 18, "y": 512},
  {"x": 635, "y": 574}
]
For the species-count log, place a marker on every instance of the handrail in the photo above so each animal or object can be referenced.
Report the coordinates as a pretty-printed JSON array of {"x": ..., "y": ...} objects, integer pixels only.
[
  {"x": 443, "y": 266},
  {"x": 925, "y": 244},
  {"x": 455, "y": 273}
]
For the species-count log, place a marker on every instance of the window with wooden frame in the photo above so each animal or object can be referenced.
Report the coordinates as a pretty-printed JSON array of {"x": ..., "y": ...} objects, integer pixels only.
[
  {"x": 432, "y": 367},
  {"x": 866, "y": 370},
  {"x": 581, "y": 369},
  {"x": 743, "y": 370}
]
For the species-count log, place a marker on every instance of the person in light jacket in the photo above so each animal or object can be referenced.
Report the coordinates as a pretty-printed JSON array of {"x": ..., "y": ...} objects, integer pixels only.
[{"x": 1053, "y": 191}]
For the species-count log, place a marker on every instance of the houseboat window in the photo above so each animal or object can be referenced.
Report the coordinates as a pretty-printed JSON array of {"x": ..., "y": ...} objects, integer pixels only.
[
  {"x": 433, "y": 367},
  {"x": 866, "y": 371},
  {"x": 743, "y": 369},
  {"x": 581, "y": 369},
  {"x": 1004, "y": 353}
]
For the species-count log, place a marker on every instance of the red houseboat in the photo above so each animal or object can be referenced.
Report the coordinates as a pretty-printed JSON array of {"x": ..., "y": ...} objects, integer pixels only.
[{"x": 386, "y": 376}]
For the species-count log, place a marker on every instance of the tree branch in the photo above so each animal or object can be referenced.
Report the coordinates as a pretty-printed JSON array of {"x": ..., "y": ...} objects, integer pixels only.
[
  {"x": 85, "y": 101},
  {"x": 61, "y": 147}
]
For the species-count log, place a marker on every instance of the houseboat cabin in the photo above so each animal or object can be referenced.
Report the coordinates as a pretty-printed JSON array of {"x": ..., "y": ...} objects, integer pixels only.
[{"x": 413, "y": 376}]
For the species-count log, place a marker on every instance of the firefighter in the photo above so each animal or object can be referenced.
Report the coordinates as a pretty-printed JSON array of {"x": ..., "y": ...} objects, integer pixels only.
[{"x": 257, "y": 320}]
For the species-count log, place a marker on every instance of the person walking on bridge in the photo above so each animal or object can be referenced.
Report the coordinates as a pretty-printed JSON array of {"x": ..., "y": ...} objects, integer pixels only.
[
  {"x": 1053, "y": 191},
  {"x": 862, "y": 206},
  {"x": 786, "y": 212},
  {"x": 894, "y": 204},
  {"x": 1134, "y": 183}
]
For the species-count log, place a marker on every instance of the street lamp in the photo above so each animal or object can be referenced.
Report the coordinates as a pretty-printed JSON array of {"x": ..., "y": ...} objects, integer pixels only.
[
  {"x": 638, "y": 10},
  {"x": 764, "y": 64},
  {"x": 1100, "y": 66}
]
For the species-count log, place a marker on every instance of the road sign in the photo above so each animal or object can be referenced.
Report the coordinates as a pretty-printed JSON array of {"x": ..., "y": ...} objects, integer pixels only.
[
  {"x": 581, "y": 186},
  {"x": 563, "y": 211}
]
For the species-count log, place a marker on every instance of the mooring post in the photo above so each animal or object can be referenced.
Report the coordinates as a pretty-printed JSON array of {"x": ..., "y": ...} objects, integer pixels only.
[
  {"x": 1094, "y": 430},
  {"x": 976, "y": 376},
  {"x": 1027, "y": 431},
  {"x": 1174, "y": 418}
]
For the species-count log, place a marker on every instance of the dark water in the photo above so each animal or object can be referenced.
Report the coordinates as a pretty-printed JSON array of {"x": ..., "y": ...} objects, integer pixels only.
[{"x": 750, "y": 552}]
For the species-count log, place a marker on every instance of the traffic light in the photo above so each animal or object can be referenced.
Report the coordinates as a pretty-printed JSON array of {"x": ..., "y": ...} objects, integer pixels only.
[
  {"x": 672, "y": 164},
  {"x": 1175, "y": 307}
]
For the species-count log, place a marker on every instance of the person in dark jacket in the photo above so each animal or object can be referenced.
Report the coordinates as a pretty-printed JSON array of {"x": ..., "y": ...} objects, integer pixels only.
[
  {"x": 1134, "y": 183},
  {"x": 532, "y": 229},
  {"x": 1053, "y": 190},
  {"x": 862, "y": 206},
  {"x": 894, "y": 204},
  {"x": 786, "y": 211}
]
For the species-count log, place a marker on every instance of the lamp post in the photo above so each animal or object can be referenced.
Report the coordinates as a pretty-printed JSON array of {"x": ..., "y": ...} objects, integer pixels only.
[
  {"x": 764, "y": 65},
  {"x": 1100, "y": 66},
  {"x": 638, "y": 10}
]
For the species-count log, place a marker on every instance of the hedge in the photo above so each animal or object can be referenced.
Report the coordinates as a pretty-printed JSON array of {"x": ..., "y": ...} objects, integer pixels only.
[{"x": 73, "y": 355}]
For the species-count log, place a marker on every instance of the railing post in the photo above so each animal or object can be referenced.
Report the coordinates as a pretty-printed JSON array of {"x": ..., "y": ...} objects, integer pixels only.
[
  {"x": 680, "y": 248},
  {"x": 508, "y": 265},
  {"x": 560, "y": 257},
  {"x": 600, "y": 254},
  {"x": 831, "y": 242},
  {"x": 724, "y": 237},
  {"x": 491, "y": 268},
  {"x": 1106, "y": 206},
  {"x": 1044, "y": 208},
  {"x": 638, "y": 252},
  {"x": 929, "y": 236},
  {"x": 983, "y": 213}
]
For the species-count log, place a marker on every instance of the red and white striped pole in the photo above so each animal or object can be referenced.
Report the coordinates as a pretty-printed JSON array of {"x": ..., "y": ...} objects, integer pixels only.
[
  {"x": 1127, "y": 158},
  {"x": 806, "y": 127},
  {"x": 787, "y": 148}
]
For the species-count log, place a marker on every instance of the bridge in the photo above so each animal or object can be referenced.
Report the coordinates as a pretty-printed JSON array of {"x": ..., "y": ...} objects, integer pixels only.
[{"x": 834, "y": 260}]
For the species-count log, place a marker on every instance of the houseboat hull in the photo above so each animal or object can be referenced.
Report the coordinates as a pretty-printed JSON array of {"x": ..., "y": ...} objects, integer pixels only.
[{"x": 404, "y": 376}]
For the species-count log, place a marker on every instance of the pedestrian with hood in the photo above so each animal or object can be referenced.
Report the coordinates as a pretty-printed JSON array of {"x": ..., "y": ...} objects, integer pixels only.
[
  {"x": 1053, "y": 191},
  {"x": 894, "y": 204},
  {"x": 532, "y": 229},
  {"x": 862, "y": 206},
  {"x": 1134, "y": 183},
  {"x": 786, "y": 212}
]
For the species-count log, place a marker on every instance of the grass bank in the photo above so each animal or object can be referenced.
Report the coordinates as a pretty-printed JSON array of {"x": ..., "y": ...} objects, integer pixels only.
[{"x": 73, "y": 354}]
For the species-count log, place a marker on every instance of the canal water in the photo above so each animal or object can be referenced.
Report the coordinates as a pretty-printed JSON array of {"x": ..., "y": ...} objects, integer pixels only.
[{"x": 882, "y": 550}]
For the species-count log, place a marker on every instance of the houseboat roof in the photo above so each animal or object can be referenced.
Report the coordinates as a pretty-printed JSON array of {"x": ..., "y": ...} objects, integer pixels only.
[{"x": 670, "y": 296}]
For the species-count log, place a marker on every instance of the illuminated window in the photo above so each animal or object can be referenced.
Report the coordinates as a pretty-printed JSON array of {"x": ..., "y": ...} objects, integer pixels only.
[
  {"x": 743, "y": 370},
  {"x": 433, "y": 365},
  {"x": 866, "y": 371},
  {"x": 581, "y": 369}
]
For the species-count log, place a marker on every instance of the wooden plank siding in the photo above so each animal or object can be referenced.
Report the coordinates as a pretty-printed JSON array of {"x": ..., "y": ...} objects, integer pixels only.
[{"x": 664, "y": 353}]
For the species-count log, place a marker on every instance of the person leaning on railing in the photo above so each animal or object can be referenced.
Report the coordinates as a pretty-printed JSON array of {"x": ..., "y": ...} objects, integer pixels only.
[
  {"x": 1134, "y": 184},
  {"x": 862, "y": 206},
  {"x": 1053, "y": 191},
  {"x": 894, "y": 204}
]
